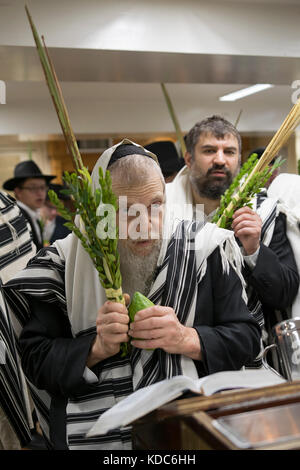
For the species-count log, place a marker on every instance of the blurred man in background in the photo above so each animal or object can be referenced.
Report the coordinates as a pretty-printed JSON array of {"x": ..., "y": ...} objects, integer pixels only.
[
  {"x": 168, "y": 158},
  {"x": 30, "y": 187},
  {"x": 52, "y": 221}
]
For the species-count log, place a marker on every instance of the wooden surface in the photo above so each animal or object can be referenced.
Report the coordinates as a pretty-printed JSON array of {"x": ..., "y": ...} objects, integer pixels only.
[{"x": 187, "y": 423}]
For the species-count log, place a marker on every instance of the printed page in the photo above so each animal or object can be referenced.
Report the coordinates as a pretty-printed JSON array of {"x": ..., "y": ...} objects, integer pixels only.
[
  {"x": 143, "y": 401},
  {"x": 247, "y": 378},
  {"x": 147, "y": 399}
]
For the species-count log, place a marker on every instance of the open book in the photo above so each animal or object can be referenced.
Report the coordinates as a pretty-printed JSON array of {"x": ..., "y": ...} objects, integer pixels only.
[{"x": 149, "y": 398}]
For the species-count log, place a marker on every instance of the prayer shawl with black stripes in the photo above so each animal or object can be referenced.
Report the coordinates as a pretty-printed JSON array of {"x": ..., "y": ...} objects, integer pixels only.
[
  {"x": 44, "y": 279},
  {"x": 63, "y": 274},
  {"x": 12, "y": 398},
  {"x": 286, "y": 189},
  {"x": 16, "y": 248},
  {"x": 180, "y": 205}
]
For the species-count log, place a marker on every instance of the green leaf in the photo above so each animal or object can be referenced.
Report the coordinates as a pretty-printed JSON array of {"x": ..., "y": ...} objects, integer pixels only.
[{"x": 234, "y": 195}]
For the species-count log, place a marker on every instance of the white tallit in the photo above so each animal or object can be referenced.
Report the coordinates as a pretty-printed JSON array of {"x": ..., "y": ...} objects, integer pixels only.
[{"x": 286, "y": 189}]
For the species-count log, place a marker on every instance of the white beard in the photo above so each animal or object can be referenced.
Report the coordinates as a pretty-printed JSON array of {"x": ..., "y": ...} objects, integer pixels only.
[{"x": 137, "y": 271}]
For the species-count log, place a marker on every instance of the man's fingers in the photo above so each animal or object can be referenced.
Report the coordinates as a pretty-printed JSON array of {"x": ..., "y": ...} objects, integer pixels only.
[
  {"x": 127, "y": 299},
  {"x": 251, "y": 224},
  {"x": 243, "y": 210},
  {"x": 147, "y": 344},
  {"x": 246, "y": 231},
  {"x": 147, "y": 333},
  {"x": 155, "y": 311},
  {"x": 112, "y": 329},
  {"x": 115, "y": 328},
  {"x": 116, "y": 339},
  {"x": 113, "y": 307},
  {"x": 112, "y": 317},
  {"x": 246, "y": 217}
]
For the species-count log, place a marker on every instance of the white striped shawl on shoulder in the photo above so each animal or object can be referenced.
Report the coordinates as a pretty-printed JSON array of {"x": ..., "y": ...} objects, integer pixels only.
[{"x": 16, "y": 248}]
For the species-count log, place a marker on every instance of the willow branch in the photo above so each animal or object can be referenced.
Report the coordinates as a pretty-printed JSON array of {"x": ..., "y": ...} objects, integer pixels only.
[
  {"x": 56, "y": 95},
  {"x": 174, "y": 119},
  {"x": 271, "y": 151}
]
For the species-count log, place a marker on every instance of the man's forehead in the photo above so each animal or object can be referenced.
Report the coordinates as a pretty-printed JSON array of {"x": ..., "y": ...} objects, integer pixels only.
[
  {"x": 35, "y": 180},
  {"x": 208, "y": 138},
  {"x": 145, "y": 189}
]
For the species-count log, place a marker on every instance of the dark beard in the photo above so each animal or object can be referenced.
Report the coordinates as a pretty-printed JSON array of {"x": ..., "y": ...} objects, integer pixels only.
[{"x": 211, "y": 188}]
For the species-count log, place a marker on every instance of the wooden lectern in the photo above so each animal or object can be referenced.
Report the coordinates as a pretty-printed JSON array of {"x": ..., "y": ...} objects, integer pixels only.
[{"x": 264, "y": 418}]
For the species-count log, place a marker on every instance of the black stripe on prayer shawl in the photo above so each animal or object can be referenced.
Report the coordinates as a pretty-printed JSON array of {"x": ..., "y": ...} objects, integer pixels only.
[
  {"x": 13, "y": 256},
  {"x": 261, "y": 197},
  {"x": 180, "y": 288},
  {"x": 78, "y": 441},
  {"x": 254, "y": 304},
  {"x": 270, "y": 220},
  {"x": 11, "y": 396},
  {"x": 181, "y": 280},
  {"x": 122, "y": 385},
  {"x": 19, "y": 308},
  {"x": 157, "y": 294},
  {"x": 17, "y": 222},
  {"x": 15, "y": 239},
  {"x": 8, "y": 202}
]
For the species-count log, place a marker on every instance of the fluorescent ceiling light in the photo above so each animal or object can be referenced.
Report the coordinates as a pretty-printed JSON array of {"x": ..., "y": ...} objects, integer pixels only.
[{"x": 236, "y": 95}]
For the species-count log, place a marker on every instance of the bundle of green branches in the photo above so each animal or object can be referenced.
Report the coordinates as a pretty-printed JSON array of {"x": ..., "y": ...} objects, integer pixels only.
[
  {"x": 95, "y": 227},
  {"x": 102, "y": 250},
  {"x": 238, "y": 195},
  {"x": 92, "y": 232},
  {"x": 256, "y": 172}
]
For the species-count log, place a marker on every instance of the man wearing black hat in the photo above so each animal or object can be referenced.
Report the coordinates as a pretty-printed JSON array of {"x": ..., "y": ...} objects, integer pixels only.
[
  {"x": 30, "y": 187},
  {"x": 53, "y": 223},
  {"x": 168, "y": 158}
]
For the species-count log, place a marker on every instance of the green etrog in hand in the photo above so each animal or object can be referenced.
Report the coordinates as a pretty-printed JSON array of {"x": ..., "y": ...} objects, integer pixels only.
[{"x": 139, "y": 302}]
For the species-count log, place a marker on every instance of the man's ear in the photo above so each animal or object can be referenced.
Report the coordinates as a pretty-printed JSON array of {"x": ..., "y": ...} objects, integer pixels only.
[{"x": 188, "y": 159}]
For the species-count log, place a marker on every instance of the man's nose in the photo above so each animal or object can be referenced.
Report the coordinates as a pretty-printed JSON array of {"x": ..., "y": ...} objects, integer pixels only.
[
  {"x": 220, "y": 158},
  {"x": 146, "y": 224}
]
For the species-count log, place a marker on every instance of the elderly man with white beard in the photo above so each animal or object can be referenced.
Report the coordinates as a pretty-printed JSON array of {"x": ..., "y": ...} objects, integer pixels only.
[{"x": 71, "y": 339}]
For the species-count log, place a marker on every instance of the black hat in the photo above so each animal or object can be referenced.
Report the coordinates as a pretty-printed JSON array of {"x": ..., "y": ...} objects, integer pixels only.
[
  {"x": 24, "y": 170},
  {"x": 167, "y": 155},
  {"x": 259, "y": 151}
]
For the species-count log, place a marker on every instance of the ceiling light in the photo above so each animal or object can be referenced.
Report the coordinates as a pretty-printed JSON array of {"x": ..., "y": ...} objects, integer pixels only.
[{"x": 236, "y": 95}]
